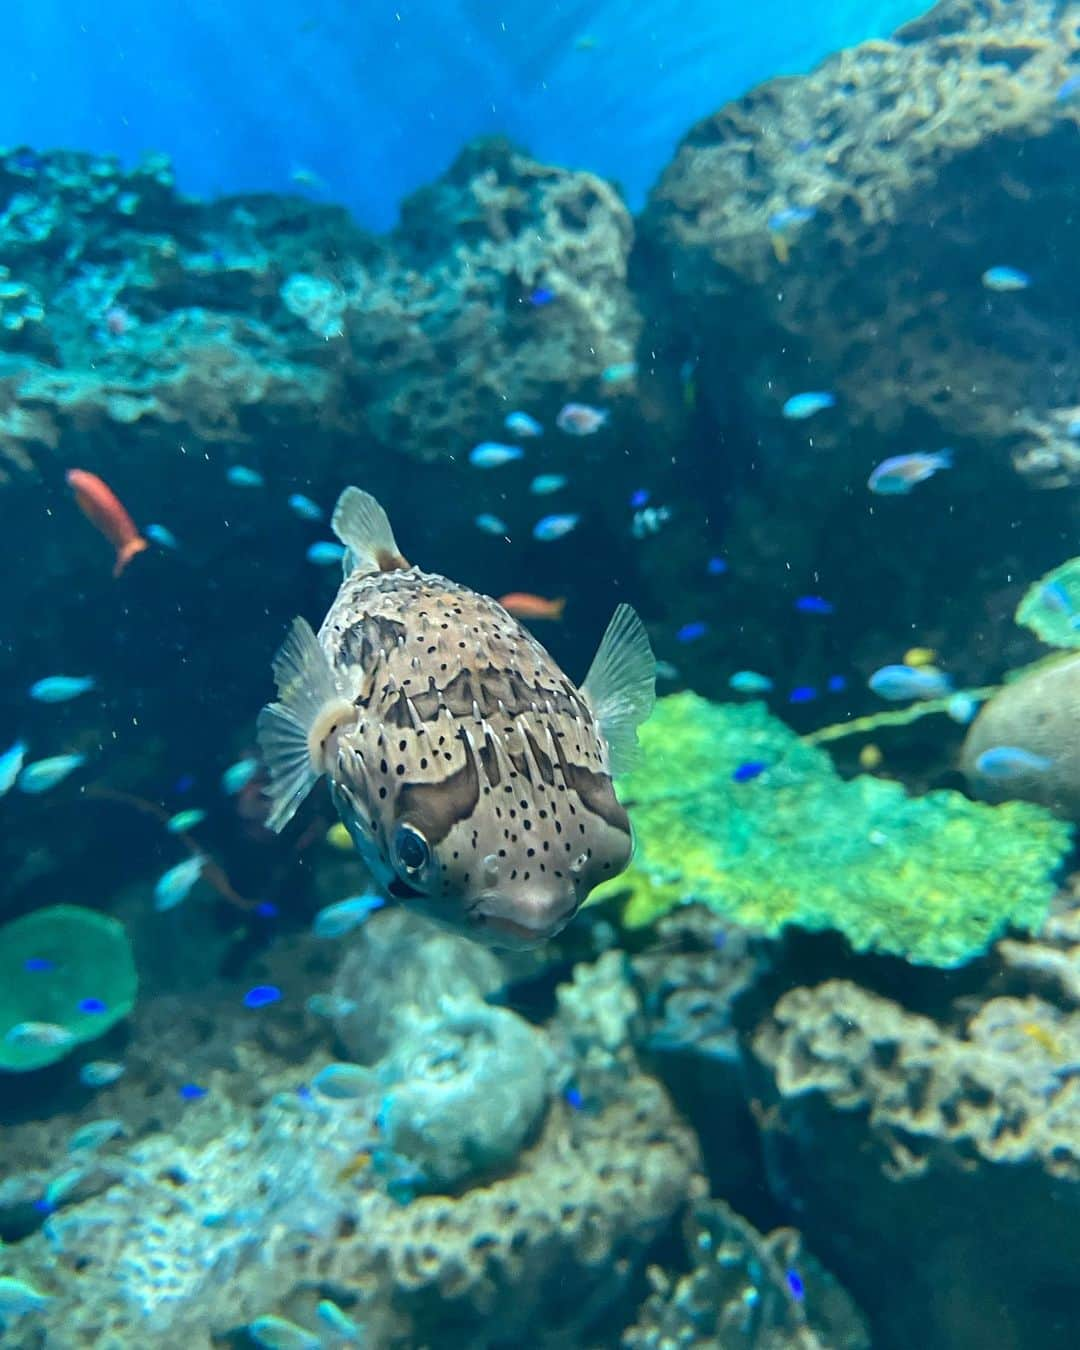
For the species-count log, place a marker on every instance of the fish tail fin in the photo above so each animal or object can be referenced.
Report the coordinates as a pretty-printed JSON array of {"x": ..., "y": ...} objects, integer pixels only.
[
  {"x": 944, "y": 459},
  {"x": 558, "y": 605},
  {"x": 361, "y": 525},
  {"x": 620, "y": 687},
  {"x": 298, "y": 735},
  {"x": 127, "y": 551}
]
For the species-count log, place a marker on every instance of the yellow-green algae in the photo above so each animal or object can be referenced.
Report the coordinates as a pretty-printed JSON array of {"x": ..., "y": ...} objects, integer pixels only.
[
  {"x": 933, "y": 879},
  {"x": 1050, "y": 621}
]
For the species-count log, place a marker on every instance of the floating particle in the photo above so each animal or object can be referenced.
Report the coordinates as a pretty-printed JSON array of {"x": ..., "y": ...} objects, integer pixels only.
[
  {"x": 580, "y": 419},
  {"x": 900, "y": 682},
  {"x": 554, "y": 527},
  {"x": 174, "y": 886},
  {"x": 649, "y": 521},
  {"x": 239, "y": 475},
  {"x": 1005, "y": 279},
  {"x": 1003, "y": 763},
  {"x": 38, "y": 964},
  {"x": 304, "y": 507},
  {"x": 276, "y": 1333},
  {"x": 521, "y": 424},
  {"x": 185, "y": 820},
  {"x": 48, "y": 1035},
  {"x": 98, "y": 1073},
  {"x": 493, "y": 455},
  {"x": 491, "y": 524},
  {"x": 801, "y": 406},
  {"x": 802, "y": 693},
  {"x": 60, "y": 688},
  {"x": 325, "y": 553},
  {"x": 897, "y": 476},
  {"x": 814, "y": 604},
  {"x": 162, "y": 536},
  {"x": 262, "y": 995},
  {"x": 690, "y": 632},
  {"x": 342, "y": 1081},
  {"x": 544, "y": 484},
  {"x": 836, "y": 684},
  {"x": 334, "y": 921},
  {"x": 749, "y": 682},
  {"x": 94, "y": 1135},
  {"x": 237, "y": 776},
  {"x": 45, "y": 774},
  {"x": 749, "y": 770},
  {"x": 191, "y": 1092},
  {"x": 619, "y": 372},
  {"x": 716, "y": 567},
  {"x": 11, "y": 762},
  {"x": 93, "y": 1006}
]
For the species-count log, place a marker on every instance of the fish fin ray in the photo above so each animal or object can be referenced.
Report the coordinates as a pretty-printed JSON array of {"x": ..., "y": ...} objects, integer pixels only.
[
  {"x": 362, "y": 526},
  {"x": 620, "y": 687}
]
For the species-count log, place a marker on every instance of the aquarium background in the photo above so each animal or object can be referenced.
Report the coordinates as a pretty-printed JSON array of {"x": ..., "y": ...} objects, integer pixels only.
[{"x": 763, "y": 322}]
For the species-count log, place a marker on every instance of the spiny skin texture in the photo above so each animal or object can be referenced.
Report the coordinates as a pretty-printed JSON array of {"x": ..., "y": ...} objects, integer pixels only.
[{"x": 468, "y": 733}]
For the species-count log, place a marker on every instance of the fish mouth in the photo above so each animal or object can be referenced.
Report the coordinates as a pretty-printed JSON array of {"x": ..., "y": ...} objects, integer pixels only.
[{"x": 521, "y": 923}]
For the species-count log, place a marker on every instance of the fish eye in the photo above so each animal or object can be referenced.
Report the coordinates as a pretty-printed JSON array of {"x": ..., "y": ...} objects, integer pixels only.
[{"x": 411, "y": 849}]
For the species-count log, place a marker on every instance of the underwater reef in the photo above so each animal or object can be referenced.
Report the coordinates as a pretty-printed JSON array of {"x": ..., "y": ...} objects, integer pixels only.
[{"x": 805, "y": 1074}]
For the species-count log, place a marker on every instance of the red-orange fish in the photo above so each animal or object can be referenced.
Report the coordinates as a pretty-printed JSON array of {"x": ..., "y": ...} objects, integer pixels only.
[
  {"x": 522, "y": 605},
  {"x": 103, "y": 509}
]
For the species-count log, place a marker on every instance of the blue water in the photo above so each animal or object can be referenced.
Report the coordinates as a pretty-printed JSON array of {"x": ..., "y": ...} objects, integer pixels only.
[{"x": 375, "y": 97}]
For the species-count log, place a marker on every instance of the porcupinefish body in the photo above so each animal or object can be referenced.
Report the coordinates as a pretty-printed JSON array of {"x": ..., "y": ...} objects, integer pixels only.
[{"x": 473, "y": 775}]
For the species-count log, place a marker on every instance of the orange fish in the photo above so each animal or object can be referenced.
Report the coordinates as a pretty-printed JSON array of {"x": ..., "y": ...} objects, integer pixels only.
[
  {"x": 103, "y": 509},
  {"x": 522, "y": 605}
]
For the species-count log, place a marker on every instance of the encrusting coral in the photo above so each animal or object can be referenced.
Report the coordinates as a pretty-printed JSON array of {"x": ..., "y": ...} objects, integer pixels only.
[{"x": 933, "y": 879}]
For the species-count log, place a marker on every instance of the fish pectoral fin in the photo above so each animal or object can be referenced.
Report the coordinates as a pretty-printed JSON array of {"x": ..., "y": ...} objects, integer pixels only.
[
  {"x": 620, "y": 687},
  {"x": 294, "y": 733},
  {"x": 362, "y": 526}
]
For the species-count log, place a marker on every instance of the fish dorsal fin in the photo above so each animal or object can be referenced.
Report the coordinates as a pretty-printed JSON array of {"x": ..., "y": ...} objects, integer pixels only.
[
  {"x": 620, "y": 687},
  {"x": 361, "y": 525},
  {"x": 298, "y": 733}
]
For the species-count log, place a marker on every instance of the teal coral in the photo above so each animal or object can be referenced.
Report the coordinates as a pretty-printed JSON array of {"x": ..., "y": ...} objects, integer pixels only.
[
  {"x": 1053, "y": 622},
  {"x": 82, "y": 954},
  {"x": 933, "y": 879}
]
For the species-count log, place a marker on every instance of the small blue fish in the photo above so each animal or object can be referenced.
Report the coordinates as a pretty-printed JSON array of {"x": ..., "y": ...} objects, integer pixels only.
[
  {"x": 716, "y": 567},
  {"x": 1070, "y": 87},
  {"x": 92, "y": 1136},
  {"x": 492, "y": 455},
  {"x": 334, "y": 921},
  {"x": 60, "y": 688},
  {"x": 342, "y": 1082},
  {"x": 38, "y": 964},
  {"x": 45, "y": 774},
  {"x": 690, "y": 632},
  {"x": 331, "y": 1005},
  {"x": 541, "y": 296},
  {"x": 962, "y": 708},
  {"x": 491, "y": 524},
  {"x": 795, "y": 1285},
  {"x": 17, "y": 1297},
  {"x": 666, "y": 671},
  {"x": 899, "y": 474},
  {"x": 554, "y": 527},
  {"x": 175, "y": 885},
  {"x": 749, "y": 770},
  {"x": 98, "y": 1073},
  {"x": 192, "y": 1092},
  {"x": 521, "y": 424},
  {"x": 1002, "y": 763},
  {"x": 237, "y": 776},
  {"x": 185, "y": 820},
  {"x": 640, "y": 498},
  {"x": 749, "y": 682},
  {"x": 619, "y": 373},
  {"x": 836, "y": 684},
  {"x": 544, "y": 484},
  {"x": 61, "y": 1187},
  {"x": 814, "y": 604},
  {"x": 788, "y": 216},
  {"x": 897, "y": 683},
  {"x": 262, "y": 995},
  {"x": 1005, "y": 279},
  {"x": 801, "y": 406},
  {"x": 241, "y": 476},
  {"x": 304, "y": 507},
  {"x": 802, "y": 693},
  {"x": 337, "y": 1320},
  {"x": 93, "y": 1007},
  {"x": 163, "y": 537},
  {"x": 1054, "y": 597},
  {"x": 39, "y": 1035},
  {"x": 325, "y": 553},
  {"x": 11, "y": 762},
  {"x": 275, "y": 1333}
]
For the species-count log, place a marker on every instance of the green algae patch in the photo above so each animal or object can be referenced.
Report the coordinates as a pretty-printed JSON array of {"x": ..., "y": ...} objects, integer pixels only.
[
  {"x": 1051, "y": 604},
  {"x": 933, "y": 879},
  {"x": 52, "y": 961}
]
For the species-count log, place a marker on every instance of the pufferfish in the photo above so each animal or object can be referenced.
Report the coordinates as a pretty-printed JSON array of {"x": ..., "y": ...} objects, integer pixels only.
[{"x": 474, "y": 777}]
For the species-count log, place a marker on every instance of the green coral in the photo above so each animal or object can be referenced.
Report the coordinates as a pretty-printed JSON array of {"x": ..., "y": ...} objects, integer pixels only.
[
  {"x": 73, "y": 954},
  {"x": 934, "y": 879},
  {"x": 1050, "y": 613}
]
